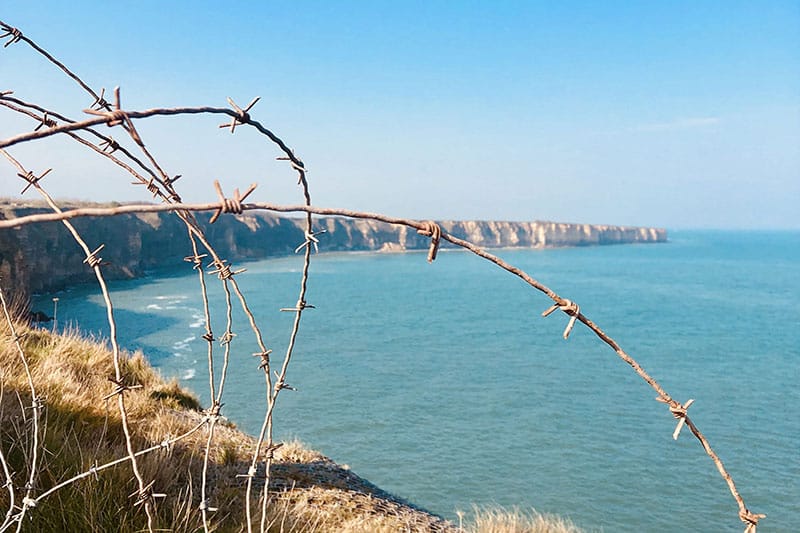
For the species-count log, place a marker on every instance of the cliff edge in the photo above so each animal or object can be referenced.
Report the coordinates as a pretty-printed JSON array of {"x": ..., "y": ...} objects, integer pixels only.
[{"x": 44, "y": 257}]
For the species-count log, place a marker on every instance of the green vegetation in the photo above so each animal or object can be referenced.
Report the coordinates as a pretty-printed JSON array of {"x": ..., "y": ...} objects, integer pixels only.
[{"x": 80, "y": 429}]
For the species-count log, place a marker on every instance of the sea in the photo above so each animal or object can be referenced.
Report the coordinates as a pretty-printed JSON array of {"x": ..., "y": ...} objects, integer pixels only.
[{"x": 443, "y": 384}]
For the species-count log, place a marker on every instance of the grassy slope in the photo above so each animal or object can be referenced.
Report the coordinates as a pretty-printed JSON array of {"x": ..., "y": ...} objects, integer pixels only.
[{"x": 310, "y": 492}]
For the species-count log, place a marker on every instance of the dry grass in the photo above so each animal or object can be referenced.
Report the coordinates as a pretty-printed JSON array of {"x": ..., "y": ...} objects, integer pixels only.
[
  {"x": 499, "y": 520},
  {"x": 309, "y": 492}
]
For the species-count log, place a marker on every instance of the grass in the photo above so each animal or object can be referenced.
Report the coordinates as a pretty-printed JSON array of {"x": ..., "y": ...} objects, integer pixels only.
[{"x": 309, "y": 492}]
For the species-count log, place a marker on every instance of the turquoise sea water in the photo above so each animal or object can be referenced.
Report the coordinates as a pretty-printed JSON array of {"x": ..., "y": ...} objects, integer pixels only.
[{"x": 443, "y": 384}]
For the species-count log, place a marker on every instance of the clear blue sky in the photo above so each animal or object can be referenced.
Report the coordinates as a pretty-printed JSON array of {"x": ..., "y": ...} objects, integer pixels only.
[{"x": 674, "y": 114}]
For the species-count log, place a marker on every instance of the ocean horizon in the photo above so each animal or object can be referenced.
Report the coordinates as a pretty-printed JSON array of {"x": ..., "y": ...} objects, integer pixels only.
[{"x": 444, "y": 385}]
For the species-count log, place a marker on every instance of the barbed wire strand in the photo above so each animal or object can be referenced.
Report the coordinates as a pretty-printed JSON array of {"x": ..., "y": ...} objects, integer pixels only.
[
  {"x": 239, "y": 116},
  {"x": 167, "y": 198},
  {"x": 225, "y": 340},
  {"x": 36, "y": 408},
  {"x": 280, "y": 384},
  {"x": 18, "y": 35},
  {"x": 95, "y": 263},
  {"x": 120, "y": 117},
  {"x": 8, "y": 485},
  {"x": 424, "y": 226},
  {"x": 108, "y": 145},
  {"x": 166, "y": 443}
]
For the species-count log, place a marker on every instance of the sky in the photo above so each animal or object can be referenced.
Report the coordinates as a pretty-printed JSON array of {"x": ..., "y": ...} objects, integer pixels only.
[{"x": 669, "y": 114}]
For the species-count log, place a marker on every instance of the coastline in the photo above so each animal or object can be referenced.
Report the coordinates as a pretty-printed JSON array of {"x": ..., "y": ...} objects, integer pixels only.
[{"x": 44, "y": 258}]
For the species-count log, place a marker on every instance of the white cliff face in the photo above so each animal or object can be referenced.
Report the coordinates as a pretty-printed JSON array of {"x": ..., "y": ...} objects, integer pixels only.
[
  {"x": 543, "y": 234},
  {"x": 371, "y": 235},
  {"x": 44, "y": 257}
]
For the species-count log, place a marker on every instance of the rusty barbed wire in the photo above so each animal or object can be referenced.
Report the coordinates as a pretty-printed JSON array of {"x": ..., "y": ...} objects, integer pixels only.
[
  {"x": 431, "y": 229},
  {"x": 272, "y": 393},
  {"x": 242, "y": 115},
  {"x": 9, "y": 475},
  {"x": 567, "y": 306},
  {"x": 115, "y": 115},
  {"x": 171, "y": 196},
  {"x": 118, "y": 116},
  {"x": 36, "y": 409},
  {"x": 94, "y": 263},
  {"x": 17, "y": 35},
  {"x": 106, "y": 147},
  {"x": 94, "y": 469},
  {"x": 195, "y": 233}
]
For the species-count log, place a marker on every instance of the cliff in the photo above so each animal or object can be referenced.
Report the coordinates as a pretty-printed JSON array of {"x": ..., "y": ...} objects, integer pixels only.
[{"x": 44, "y": 257}]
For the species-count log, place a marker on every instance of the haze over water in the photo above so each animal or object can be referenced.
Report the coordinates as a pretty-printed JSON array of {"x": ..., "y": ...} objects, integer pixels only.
[{"x": 443, "y": 384}]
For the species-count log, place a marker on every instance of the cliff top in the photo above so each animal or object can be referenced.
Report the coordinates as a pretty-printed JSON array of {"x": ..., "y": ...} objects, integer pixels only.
[{"x": 8, "y": 205}]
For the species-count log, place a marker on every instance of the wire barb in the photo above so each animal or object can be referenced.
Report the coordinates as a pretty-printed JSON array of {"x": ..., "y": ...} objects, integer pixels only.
[
  {"x": 120, "y": 387},
  {"x": 9, "y": 31},
  {"x": 311, "y": 240},
  {"x": 251, "y": 472},
  {"x": 92, "y": 260},
  {"x": 32, "y": 179},
  {"x": 280, "y": 384},
  {"x": 116, "y": 116},
  {"x": 109, "y": 145},
  {"x": 269, "y": 451},
  {"x": 750, "y": 519},
  {"x": 28, "y": 502},
  {"x": 678, "y": 411},
  {"x": 169, "y": 181},
  {"x": 223, "y": 270},
  {"x": 151, "y": 185},
  {"x": 570, "y": 308},
  {"x": 100, "y": 102},
  {"x": 45, "y": 122},
  {"x": 431, "y": 229},
  {"x": 146, "y": 494},
  {"x": 301, "y": 304},
  {"x": 196, "y": 260},
  {"x": 230, "y": 205},
  {"x": 264, "y": 358},
  {"x": 243, "y": 115},
  {"x": 212, "y": 413},
  {"x": 298, "y": 167},
  {"x": 93, "y": 471},
  {"x": 226, "y": 338},
  {"x": 37, "y": 404}
]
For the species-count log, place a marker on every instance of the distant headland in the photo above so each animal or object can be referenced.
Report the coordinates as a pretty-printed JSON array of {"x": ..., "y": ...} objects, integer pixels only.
[{"x": 44, "y": 257}]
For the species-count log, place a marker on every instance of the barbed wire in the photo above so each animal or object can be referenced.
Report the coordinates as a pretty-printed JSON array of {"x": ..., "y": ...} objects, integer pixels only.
[
  {"x": 119, "y": 380},
  {"x": 117, "y": 116},
  {"x": 162, "y": 185},
  {"x": 36, "y": 407}
]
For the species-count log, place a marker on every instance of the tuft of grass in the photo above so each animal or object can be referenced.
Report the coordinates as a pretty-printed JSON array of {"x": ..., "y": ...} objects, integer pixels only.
[{"x": 515, "y": 520}]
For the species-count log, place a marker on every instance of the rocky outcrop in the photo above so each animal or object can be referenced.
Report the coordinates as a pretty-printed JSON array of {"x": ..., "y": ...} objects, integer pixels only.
[{"x": 44, "y": 257}]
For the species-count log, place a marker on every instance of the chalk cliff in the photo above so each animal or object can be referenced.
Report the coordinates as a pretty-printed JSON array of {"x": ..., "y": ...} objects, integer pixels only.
[{"x": 44, "y": 257}]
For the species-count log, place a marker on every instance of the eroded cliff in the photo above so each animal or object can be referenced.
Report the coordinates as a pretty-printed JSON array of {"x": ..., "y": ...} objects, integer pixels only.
[{"x": 44, "y": 257}]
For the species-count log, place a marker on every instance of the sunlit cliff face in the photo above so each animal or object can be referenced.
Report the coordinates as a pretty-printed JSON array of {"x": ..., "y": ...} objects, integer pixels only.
[{"x": 44, "y": 257}]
